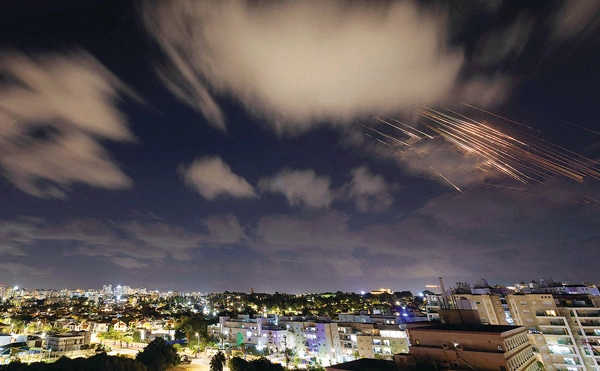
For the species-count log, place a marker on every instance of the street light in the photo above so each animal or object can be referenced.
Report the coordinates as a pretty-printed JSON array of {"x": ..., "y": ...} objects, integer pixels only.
[{"x": 197, "y": 344}]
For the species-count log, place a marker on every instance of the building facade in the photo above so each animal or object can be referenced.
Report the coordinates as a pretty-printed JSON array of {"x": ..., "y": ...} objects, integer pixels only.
[
  {"x": 564, "y": 329},
  {"x": 473, "y": 347},
  {"x": 67, "y": 342}
]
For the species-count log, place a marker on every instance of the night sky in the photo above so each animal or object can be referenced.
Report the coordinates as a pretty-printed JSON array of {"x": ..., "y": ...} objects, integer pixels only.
[{"x": 214, "y": 146}]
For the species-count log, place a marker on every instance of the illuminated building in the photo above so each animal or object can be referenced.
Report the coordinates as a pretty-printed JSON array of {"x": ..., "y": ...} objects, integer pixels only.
[
  {"x": 470, "y": 347},
  {"x": 564, "y": 329}
]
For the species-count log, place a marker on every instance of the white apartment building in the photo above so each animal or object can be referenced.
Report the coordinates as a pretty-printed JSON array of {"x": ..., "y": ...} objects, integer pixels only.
[
  {"x": 68, "y": 342},
  {"x": 257, "y": 332},
  {"x": 324, "y": 341}
]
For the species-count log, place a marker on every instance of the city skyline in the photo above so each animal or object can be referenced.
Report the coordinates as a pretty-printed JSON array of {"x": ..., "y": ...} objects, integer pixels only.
[
  {"x": 296, "y": 147},
  {"x": 481, "y": 283}
]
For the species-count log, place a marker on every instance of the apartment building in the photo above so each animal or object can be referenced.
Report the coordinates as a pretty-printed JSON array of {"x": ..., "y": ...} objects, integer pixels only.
[
  {"x": 471, "y": 347},
  {"x": 365, "y": 340},
  {"x": 309, "y": 338},
  {"x": 562, "y": 319},
  {"x": 492, "y": 308},
  {"x": 68, "y": 342},
  {"x": 563, "y": 329},
  {"x": 258, "y": 332},
  {"x": 321, "y": 339},
  {"x": 432, "y": 309}
]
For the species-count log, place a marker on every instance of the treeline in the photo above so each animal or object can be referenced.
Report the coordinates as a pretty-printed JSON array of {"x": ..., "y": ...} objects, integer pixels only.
[
  {"x": 323, "y": 303},
  {"x": 99, "y": 362},
  {"x": 157, "y": 356}
]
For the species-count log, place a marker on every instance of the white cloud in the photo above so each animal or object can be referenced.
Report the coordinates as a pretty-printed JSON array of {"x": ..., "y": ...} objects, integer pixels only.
[
  {"x": 370, "y": 191},
  {"x": 225, "y": 229},
  {"x": 486, "y": 91},
  {"x": 300, "y": 187},
  {"x": 54, "y": 111},
  {"x": 299, "y": 63},
  {"x": 506, "y": 44},
  {"x": 430, "y": 158},
  {"x": 16, "y": 269},
  {"x": 574, "y": 18},
  {"x": 326, "y": 232},
  {"x": 128, "y": 262},
  {"x": 212, "y": 177}
]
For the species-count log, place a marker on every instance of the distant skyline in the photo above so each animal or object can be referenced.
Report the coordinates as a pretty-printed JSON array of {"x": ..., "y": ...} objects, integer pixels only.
[
  {"x": 218, "y": 146},
  {"x": 432, "y": 286}
]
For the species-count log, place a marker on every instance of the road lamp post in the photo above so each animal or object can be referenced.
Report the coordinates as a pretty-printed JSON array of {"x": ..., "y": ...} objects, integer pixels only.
[{"x": 197, "y": 344}]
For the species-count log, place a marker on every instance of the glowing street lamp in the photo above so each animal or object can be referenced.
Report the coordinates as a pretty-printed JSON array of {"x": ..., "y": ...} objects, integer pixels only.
[{"x": 197, "y": 344}]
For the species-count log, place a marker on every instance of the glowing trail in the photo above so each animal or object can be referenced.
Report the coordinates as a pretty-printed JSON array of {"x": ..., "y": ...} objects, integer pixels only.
[
  {"x": 446, "y": 179},
  {"x": 570, "y": 123},
  {"x": 523, "y": 157}
]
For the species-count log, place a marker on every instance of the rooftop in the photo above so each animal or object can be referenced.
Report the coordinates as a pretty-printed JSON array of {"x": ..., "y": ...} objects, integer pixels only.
[{"x": 499, "y": 329}]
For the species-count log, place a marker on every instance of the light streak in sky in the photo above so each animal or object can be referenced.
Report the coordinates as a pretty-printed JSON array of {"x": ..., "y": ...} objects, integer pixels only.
[
  {"x": 446, "y": 179},
  {"x": 520, "y": 156},
  {"x": 572, "y": 124}
]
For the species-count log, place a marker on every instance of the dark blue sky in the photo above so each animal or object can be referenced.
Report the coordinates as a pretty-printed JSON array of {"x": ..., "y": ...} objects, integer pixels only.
[{"x": 227, "y": 145}]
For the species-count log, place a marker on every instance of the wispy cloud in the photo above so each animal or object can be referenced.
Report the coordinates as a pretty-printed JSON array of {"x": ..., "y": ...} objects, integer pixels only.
[
  {"x": 17, "y": 269},
  {"x": 54, "y": 111},
  {"x": 575, "y": 18},
  {"x": 123, "y": 243},
  {"x": 225, "y": 228},
  {"x": 370, "y": 191},
  {"x": 300, "y": 187},
  {"x": 301, "y": 63},
  {"x": 212, "y": 177}
]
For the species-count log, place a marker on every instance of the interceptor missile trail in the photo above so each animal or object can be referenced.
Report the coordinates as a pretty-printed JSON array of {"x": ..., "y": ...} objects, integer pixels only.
[
  {"x": 446, "y": 179},
  {"x": 521, "y": 156}
]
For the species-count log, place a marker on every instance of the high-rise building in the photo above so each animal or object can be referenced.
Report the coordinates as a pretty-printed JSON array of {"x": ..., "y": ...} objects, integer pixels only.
[
  {"x": 107, "y": 289},
  {"x": 564, "y": 329},
  {"x": 563, "y": 325}
]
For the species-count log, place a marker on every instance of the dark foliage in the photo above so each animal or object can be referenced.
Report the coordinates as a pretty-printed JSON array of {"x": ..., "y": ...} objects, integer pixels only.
[
  {"x": 217, "y": 362},
  {"x": 99, "y": 362},
  {"x": 260, "y": 364},
  {"x": 158, "y": 355}
]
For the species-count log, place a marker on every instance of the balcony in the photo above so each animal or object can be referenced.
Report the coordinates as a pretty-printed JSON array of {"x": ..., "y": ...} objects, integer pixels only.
[
  {"x": 588, "y": 314},
  {"x": 561, "y": 350},
  {"x": 569, "y": 366},
  {"x": 559, "y": 341},
  {"x": 564, "y": 342},
  {"x": 559, "y": 323}
]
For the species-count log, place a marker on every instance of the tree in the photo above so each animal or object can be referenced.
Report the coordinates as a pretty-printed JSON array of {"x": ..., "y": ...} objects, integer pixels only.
[
  {"x": 158, "y": 355},
  {"x": 238, "y": 364},
  {"x": 263, "y": 364},
  {"x": 99, "y": 362},
  {"x": 189, "y": 326},
  {"x": 217, "y": 362},
  {"x": 128, "y": 339}
]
